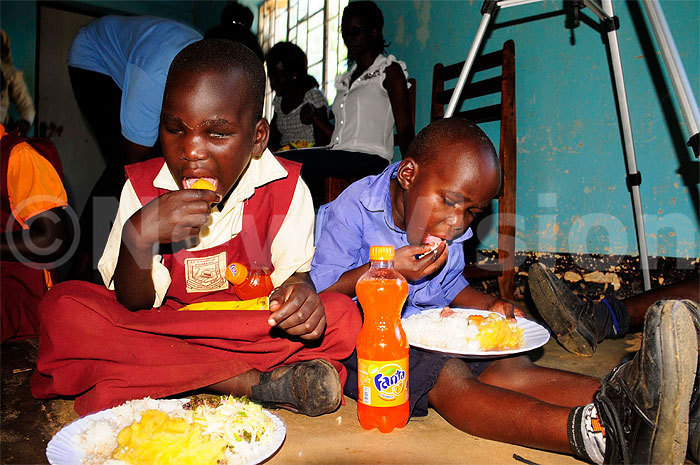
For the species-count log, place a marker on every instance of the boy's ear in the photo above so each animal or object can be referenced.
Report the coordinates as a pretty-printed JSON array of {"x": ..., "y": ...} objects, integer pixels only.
[
  {"x": 407, "y": 173},
  {"x": 262, "y": 136}
]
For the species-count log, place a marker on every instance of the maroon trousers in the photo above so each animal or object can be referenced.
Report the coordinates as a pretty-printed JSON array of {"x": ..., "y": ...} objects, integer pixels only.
[{"x": 94, "y": 348}]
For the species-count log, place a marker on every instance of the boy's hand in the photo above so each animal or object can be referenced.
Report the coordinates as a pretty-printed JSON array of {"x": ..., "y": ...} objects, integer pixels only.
[
  {"x": 506, "y": 308},
  {"x": 172, "y": 217},
  {"x": 414, "y": 263},
  {"x": 296, "y": 309}
]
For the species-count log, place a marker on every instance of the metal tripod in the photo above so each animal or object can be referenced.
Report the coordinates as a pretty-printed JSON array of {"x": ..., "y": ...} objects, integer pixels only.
[{"x": 611, "y": 24}]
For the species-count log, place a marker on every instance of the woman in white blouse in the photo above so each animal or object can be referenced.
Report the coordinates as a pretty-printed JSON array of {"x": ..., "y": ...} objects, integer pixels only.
[{"x": 372, "y": 98}]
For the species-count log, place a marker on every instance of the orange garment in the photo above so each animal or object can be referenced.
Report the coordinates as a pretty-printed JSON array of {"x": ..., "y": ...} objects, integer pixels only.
[{"x": 33, "y": 185}]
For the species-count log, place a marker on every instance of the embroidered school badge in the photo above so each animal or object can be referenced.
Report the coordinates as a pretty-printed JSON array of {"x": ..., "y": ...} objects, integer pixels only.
[{"x": 206, "y": 274}]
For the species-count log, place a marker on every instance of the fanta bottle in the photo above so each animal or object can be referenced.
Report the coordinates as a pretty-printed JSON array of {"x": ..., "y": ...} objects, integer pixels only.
[
  {"x": 382, "y": 347},
  {"x": 249, "y": 282}
]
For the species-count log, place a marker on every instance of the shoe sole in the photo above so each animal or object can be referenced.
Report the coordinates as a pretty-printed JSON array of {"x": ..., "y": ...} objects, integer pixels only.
[
  {"x": 315, "y": 395},
  {"x": 552, "y": 310},
  {"x": 694, "y": 422},
  {"x": 677, "y": 345}
]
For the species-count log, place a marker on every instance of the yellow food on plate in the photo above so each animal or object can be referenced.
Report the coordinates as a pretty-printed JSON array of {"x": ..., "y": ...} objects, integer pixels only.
[
  {"x": 497, "y": 333},
  {"x": 203, "y": 184},
  {"x": 158, "y": 439},
  {"x": 260, "y": 303}
]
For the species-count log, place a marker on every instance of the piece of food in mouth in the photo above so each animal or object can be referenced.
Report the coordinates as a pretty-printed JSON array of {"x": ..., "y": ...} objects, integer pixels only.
[
  {"x": 433, "y": 242},
  {"x": 201, "y": 183}
]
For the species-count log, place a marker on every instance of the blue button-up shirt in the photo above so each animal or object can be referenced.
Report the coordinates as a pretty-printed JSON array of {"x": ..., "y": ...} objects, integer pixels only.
[{"x": 362, "y": 217}]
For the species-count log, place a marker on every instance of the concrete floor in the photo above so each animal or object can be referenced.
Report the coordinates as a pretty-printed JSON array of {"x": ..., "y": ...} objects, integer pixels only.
[{"x": 28, "y": 424}]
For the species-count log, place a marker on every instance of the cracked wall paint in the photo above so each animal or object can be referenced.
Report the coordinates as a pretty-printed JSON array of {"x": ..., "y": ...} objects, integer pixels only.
[{"x": 569, "y": 141}]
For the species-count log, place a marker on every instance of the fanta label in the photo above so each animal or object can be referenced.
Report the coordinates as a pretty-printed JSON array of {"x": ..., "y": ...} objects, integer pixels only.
[{"x": 382, "y": 383}]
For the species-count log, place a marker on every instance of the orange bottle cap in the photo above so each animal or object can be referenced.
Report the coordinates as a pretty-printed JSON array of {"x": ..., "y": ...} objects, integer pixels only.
[
  {"x": 381, "y": 252},
  {"x": 236, "y": 273}
]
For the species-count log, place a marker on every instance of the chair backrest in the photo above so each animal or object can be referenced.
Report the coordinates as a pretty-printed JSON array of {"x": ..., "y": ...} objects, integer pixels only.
[{"x": 505, "y": 112}]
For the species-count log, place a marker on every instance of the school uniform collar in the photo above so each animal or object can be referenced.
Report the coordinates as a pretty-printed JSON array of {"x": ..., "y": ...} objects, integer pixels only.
[
  {"x": 260, "y": 172},
  {"x": 377, "y": 199}
]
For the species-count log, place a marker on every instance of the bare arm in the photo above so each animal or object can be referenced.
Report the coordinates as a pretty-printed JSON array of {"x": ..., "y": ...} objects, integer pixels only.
[
  {"x": 471, "y": 298},
  {"x": 406, "y": 262},
  {"x": 346, "y": 283},
  {"x": 46, "y": 240},
  {"x": 318, "y": 117},
  {"x": 133, "y": 152},
  {"x": 397, "y": 88}
]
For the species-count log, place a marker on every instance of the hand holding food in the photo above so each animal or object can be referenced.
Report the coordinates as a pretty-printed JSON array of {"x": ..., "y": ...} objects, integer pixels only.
[{"x": 415, "y": 262}]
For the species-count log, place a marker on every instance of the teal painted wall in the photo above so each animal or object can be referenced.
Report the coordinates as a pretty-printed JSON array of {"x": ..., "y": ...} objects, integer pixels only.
[
  {"x": 572, "y": 195},
  {"x": 571, "y": 171}
]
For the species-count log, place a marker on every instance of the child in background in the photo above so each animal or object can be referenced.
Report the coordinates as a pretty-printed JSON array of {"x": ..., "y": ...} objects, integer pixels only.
[
  {"x": 450, "y": 174},
  {"x": 34, "y": 229},
  {"x": 169, "y": 247},
  {"x": 294, "y": 89}
]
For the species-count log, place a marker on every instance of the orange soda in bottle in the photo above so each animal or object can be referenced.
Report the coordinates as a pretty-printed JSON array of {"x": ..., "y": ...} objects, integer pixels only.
[
  {"x": 249, "y": 282},
  {"x": 382, "y": 346}
]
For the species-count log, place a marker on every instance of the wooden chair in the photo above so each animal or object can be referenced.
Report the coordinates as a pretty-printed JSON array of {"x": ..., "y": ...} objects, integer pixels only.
[
  {"x": 504, "y": 111},
  {"x": 333, "y": 186}
]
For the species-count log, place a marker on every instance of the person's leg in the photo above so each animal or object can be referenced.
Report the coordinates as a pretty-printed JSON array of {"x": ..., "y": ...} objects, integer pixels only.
[
  {"x": 637, "y": 305},
  {"x": 642, "y": 404},
  {"x": 99, "y": 99},
  {"x": 579, "y": 325},
  {"x": 541, "y": 383},
  {"x": 491, "y": 412}
]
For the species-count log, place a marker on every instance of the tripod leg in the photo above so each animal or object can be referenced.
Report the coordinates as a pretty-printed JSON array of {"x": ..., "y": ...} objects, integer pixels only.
[
  {"x": 633, "y": 176},
  {"x": 473, "y": 50},
  {"x": 674, "y": 67}
]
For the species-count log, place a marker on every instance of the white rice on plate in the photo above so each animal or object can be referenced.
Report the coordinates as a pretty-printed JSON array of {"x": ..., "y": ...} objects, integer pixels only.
[{"x": 453, "y": 332}]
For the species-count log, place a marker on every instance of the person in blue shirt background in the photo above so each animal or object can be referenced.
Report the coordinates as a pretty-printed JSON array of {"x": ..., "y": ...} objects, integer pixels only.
[
  {"x": 450, "y": 174},
  {"x": 117, "y": 66}
]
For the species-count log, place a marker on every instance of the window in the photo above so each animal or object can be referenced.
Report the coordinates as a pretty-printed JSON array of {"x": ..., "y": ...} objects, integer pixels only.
[{"x": 314, "y": 25}]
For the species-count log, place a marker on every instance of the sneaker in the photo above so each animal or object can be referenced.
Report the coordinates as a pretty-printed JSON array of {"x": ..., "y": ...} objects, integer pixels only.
[
  {"x": 644, "y": 404},
  {"x": 570, "y": 319},
  {"x": 312, "y": 388},
  {"x": 694, "y": 422}
]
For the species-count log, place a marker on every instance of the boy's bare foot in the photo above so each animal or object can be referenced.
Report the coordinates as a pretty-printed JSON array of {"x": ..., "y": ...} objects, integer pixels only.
[
  {"x": 644, "y": 403},
  {"x": 311, "y": 387},
  {"x": 570, "y": 319}
]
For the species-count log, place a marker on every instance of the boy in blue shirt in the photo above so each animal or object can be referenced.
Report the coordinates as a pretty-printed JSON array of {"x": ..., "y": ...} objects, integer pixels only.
[{"x": 449, "y": 176}]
